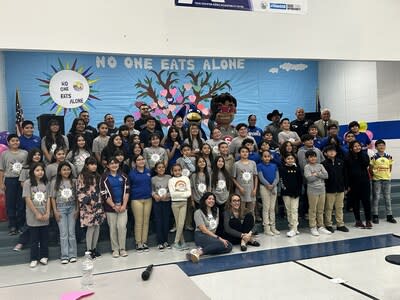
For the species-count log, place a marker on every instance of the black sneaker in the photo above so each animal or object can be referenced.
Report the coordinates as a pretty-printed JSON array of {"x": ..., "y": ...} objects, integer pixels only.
[
  {"x": 390, "y": 219},
  {"x": 92, "y": 255},
  {"x": 368, "y": 225},
  {"x": 13, "y": 231},
  {"x": 375, "y": 219},
  {"x": 330, "y": 228},
  {"x": 145, "y": 247},
  {"x": 96, "y": 253},
  {"x": 139, "y": 248},
  {"x": 342, "y": 229}
]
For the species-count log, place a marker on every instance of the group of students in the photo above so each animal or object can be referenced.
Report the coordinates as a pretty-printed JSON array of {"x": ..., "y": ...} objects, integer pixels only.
[{"x": 212, "y": 185}]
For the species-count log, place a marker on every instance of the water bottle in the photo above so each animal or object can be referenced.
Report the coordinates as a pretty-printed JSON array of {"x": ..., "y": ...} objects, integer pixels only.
[{"x": 87, "y": 271}]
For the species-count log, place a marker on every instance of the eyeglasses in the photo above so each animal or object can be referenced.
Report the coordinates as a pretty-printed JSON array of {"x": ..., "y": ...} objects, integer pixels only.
[{"x": 236, "y": 200}]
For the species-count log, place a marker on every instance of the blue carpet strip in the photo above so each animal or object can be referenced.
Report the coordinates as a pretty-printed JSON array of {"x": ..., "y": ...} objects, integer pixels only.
[{"x": 280, "y": 255}]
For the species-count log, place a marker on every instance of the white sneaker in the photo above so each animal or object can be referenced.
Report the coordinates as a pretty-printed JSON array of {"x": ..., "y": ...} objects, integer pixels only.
[
  {"x": 44, "y": 260},
  {"x": 275, "y": 231},
  {"x": 193, "y": 255},
  {"x": 323, "y": 230},
  {"x": 291, "y": 233},
  {"x": 33, "y": 264},
  {"x": 297, "y": 232},
  {"x": 115, "y": 254},
  {"x": 173, "y": 229},
  {"x": 314, "y": 231}
]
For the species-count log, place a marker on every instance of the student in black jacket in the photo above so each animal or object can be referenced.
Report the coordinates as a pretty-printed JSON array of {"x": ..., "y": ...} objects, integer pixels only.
[
  {"x": 335, "y": 186},
  {"x": 291, "y": 183},
  {"x": 359, "y": 183}
]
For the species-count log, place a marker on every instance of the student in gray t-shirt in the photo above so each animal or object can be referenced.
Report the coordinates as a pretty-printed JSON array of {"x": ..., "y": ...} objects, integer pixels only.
[
  {"x": 35, "y": 192},
  {"x": 315, "y": 174},
  {"x": 205, "y": 237},
  {"x": 11, "y": 164},
  {"x": 245, "y": 178}
]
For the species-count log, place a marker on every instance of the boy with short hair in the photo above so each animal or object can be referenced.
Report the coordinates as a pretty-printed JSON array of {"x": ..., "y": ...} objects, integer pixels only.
[
  {"x": 313, "y": 131},
  {"x": 335, "y": 186},
  {"x": 187, "y": 161},
  {"x": 362, "y": 137},
  {"x": 253, "y": 155},
  {"x": 315, "y": 175},
  {"x": 308, "y": 144},
  {"x": 11, "y": 163},
  {"x": 269, "y": 137},
  {"x": 28, "y": 140},
  {"x": 381, "y": 168},
  {"x": 286, "y": 134},
  {"x": 223, "y": 149}
]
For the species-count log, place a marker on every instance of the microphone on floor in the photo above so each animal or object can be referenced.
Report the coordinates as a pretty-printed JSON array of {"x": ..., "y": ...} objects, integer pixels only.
[{"x": 146, "y": 273}]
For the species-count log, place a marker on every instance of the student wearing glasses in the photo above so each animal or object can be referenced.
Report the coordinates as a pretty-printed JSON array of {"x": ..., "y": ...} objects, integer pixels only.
[{"x": 238, "y": 224}]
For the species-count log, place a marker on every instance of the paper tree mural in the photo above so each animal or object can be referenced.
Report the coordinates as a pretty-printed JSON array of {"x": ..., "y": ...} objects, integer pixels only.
[
  {"x": 167, "y": 94},
  {"x": 71, "y": 81}
]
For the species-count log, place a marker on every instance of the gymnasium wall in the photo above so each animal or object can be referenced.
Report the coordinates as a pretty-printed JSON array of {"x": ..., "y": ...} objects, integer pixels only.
[
  {"x": 366, "y": 91},
  {"x": 118, "y": 83}
]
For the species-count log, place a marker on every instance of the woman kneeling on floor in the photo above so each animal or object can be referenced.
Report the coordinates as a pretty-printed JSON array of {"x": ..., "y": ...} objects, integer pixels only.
[
  {"x": 238, "y": 225},
  {"x": 206, "y": 219}
]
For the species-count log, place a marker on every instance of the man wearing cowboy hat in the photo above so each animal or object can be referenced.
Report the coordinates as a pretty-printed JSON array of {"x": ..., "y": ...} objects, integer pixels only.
[{"x": 274, "y": 116}]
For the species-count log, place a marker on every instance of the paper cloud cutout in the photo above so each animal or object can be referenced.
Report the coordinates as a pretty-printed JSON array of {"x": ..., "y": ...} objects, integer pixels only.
[
  {"x": 293, "y": 67},
  {"x": 273, "y": 70}
]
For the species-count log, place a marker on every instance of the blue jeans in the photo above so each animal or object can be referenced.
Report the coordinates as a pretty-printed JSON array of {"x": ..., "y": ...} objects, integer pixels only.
[
  {"x": 381, "y": 188},
  {"x": 211, "y": 245},
  {"x": 67, "y": 232},
  {"x": 162, "y": 211},
  {"x": 14, "y": 203}
]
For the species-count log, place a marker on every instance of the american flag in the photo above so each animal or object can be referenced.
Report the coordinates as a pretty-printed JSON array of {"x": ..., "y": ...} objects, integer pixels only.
[
  {"x": 19, "y": 114},
  {"x": 317, "y": 102}
]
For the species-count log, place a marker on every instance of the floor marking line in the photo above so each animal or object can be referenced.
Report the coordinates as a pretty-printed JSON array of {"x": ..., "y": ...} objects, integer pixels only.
[{"x": 329, "y": 277}]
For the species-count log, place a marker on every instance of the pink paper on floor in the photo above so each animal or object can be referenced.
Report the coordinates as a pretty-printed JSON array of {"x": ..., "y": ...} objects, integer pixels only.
[{"x": 76, "y": 295}]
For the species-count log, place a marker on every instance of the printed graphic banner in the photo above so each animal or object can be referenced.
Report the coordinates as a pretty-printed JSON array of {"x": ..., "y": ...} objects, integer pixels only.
[
  {"x": 275, "y": 6},
  {"x": 65, "y": 84}
]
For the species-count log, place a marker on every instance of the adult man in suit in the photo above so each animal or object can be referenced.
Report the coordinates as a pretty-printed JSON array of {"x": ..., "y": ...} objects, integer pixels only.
[{"x": 323, "y": 123}]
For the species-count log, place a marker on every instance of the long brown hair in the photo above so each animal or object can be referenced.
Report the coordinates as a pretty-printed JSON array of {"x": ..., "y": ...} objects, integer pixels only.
[{"x": 228, "y": 206}]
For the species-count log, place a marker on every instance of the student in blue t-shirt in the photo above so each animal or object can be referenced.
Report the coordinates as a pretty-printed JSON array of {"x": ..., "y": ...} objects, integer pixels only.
[
  {"x": 268, "y": 175},
  {"x": 141, "y": 201},
  {"x": 253, "y": 153},
  {"x": 114, "y": 190},
  {"x": 28, "y": 140},
  {"x": 361, "y": 137}
]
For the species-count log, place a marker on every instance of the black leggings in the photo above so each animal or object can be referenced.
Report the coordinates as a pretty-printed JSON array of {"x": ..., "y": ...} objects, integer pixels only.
[
  {"x": 244, "y": 227},
  {"x": 361, "y": 192}
]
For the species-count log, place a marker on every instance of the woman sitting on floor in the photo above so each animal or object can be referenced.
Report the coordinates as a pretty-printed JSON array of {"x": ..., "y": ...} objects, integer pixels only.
[
  {"x": 206, "y": 219},
  {"x": 238, "y": 226}
]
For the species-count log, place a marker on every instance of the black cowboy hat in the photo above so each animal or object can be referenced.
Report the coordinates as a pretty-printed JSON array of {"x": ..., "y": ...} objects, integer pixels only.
[{"x": 275, "y": 112}]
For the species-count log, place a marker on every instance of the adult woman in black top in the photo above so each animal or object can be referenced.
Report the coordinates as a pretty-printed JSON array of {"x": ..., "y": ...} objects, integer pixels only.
[
  {"x": 238, "y": 226},
  {"x": 79, "y": 127}
]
